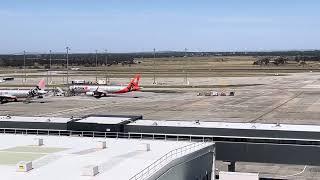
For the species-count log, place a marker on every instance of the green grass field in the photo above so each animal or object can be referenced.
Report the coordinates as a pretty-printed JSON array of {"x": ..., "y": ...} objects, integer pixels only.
[
  {"x": 12, "y": 156},
  {"x": 34, "y": 149}
]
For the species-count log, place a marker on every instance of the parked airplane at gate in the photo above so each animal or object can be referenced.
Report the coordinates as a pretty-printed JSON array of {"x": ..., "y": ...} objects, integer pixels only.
[
  {"x": 13, "y": 95},
  {"x": 99, "y": 91}
]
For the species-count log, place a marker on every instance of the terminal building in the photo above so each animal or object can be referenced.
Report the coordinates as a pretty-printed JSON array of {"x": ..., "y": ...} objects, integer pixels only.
[
  {"x": 129, "y": 147},
  {"x": 61, "y": 157},
  {"x": 46, "y": 148}
]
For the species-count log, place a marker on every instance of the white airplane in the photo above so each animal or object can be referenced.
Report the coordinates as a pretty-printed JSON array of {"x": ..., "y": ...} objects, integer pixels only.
[
  {"x": 13, "y": 95},
  {"x": 99, "y": 91}
]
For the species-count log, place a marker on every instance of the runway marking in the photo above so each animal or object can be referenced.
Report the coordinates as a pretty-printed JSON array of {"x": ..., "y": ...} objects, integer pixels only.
[{"x": 270, "y": 111}]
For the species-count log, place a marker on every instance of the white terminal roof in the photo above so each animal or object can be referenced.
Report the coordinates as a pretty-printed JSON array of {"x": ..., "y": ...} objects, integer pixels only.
[
  {"x": 34, "y": 119},
  {"x": 207, "y": 124},
  {"x": 91, "y": 119},
  {"x": 104, "y": 120},
  {"x": 121, "y": 160}
]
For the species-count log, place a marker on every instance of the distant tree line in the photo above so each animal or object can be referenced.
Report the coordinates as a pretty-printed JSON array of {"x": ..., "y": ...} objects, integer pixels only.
[
  {"x": 60, "y": 59},
  {"x": 280, "y": 60},
  {"x": 89, "y": 59}
]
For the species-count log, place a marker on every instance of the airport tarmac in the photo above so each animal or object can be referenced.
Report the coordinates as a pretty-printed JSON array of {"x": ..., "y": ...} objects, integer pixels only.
[
  {"x": 293, "y": 98},
  {"x": 286, "y": 98}
]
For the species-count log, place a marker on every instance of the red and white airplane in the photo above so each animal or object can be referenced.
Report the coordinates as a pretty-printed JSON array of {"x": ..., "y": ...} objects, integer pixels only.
[
  {"x": 7, "y": 95},
  {"x": 100, "y": 91}
]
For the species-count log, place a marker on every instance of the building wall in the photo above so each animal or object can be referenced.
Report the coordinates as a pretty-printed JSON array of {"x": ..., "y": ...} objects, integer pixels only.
[
  {"x": 268, "y": 153},
  {"x": 223, "y": 132},
  {"x": 195, "y": 166},
  {"x": 238, "y": 176},
  {"x": 33, "y": 125},
  {"x": 82, "y": 126}
]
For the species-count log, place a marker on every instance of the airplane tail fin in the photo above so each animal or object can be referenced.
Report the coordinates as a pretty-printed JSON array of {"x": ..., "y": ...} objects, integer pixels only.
[
  {"x": 42, "y": 84},
  {"x": 37, "y": 90},
  {"x": 134, "y": 83}
]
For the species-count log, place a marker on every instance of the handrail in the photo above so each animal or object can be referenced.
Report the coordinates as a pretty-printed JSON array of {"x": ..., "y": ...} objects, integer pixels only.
[
  {"x": 131, "y": 135},
  {"x": 165, "y": 159},
  {"x": 159, "y": 136}
]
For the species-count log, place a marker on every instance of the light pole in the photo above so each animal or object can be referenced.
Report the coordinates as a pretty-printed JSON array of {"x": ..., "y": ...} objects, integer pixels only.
[
  {"x": 24, "y": 66},
  {"x": 50, "y": 59},
  {"x": 106, "y": 65},
  {"x": 67, "y": 48},
  {"x": 47, "y": 76},
  {"x": 96, "y": 66},
  {"x": 185, "y": 69},
  {"x": 50, "y": 65},
  {"x": 154, "y": 65},
  {"x": 185, "y": 52}
]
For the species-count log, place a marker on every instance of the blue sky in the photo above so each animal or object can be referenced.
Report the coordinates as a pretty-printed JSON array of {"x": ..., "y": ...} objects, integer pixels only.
[{"x": 141, "y": 25}]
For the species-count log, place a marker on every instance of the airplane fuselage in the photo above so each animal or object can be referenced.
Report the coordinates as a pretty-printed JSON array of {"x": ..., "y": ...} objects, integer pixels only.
[
  {"x": 99, "y": 91},
  {"x": 16, "y": 93},
  {"x": 105, "y": 89}
]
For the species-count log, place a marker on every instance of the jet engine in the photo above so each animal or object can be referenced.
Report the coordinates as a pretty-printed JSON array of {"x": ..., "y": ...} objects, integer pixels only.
[{"x": 90, "y": 93}]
